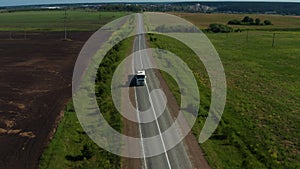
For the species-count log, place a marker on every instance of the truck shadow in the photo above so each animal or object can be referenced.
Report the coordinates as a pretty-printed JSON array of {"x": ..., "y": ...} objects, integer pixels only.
[{"x": 130, "y": 81}]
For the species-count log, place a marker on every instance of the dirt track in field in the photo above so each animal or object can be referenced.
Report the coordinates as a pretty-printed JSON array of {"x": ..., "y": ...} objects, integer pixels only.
[{"x": 35, "y": 84}]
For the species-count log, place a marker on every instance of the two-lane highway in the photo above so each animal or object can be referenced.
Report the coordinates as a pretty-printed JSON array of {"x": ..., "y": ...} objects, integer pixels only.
[{"x": 176, "y": 158}]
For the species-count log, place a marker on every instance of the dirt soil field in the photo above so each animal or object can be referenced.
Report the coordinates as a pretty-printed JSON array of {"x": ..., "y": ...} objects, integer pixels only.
[{"x": 35, "y": 84}]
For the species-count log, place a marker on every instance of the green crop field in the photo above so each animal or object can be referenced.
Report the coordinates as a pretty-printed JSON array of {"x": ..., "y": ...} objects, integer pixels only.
[
  {"x": 77, "y": 20},
  {"x": 260, "y": 124},
  {"x": 279, "y": 22}
]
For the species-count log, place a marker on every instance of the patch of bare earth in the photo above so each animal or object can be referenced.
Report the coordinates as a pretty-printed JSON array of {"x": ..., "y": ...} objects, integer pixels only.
[{"x": 35, "y": 84}]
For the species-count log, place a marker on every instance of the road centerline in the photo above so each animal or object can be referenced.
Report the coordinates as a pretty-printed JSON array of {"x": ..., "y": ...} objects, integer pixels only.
[
  {"x": 148, "y": 92},
  {"x": 138, "y": 116}
]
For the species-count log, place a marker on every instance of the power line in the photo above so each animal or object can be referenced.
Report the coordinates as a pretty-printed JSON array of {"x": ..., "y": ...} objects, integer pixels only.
[
  {"x": 65, "y": 24},
  {"x": 273, "y": 42}
]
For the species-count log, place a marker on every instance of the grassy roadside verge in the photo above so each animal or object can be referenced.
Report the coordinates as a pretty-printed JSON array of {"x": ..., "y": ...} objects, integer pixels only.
[
  {"x": 260, "y": 121},
  {"x": 71, "y": 147}
]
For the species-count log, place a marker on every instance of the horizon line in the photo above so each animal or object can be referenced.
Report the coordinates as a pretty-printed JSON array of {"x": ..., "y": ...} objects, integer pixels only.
[{"x": 153, "y": 1}]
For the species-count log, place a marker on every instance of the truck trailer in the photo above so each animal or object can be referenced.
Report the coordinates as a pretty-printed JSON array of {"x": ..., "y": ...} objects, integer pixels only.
[{"x": 140, "y": 78}]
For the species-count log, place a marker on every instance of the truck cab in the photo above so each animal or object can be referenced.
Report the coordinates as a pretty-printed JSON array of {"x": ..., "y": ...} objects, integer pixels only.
[{"x": 140, "y": 78}]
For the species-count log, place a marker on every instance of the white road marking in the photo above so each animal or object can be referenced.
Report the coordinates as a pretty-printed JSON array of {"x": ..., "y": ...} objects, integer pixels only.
[
  {"x": 151, "y": 102},
  {"x": 138, "y": 115},
  {"x": 159, "y": 130},
  {"x": 140, "y": 52}
]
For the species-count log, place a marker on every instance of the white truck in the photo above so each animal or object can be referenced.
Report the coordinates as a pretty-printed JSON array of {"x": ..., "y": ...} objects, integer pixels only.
[{"x": 140, "y": 78}]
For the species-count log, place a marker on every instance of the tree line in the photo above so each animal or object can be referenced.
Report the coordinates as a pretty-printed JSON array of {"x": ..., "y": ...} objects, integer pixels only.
[
  {"x": 221, "y": 28},
  {"x": 249, "y": 21}
]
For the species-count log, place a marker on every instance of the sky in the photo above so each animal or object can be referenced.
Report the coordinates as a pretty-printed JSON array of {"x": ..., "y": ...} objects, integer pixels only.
[{"x": 39, "y": 2}]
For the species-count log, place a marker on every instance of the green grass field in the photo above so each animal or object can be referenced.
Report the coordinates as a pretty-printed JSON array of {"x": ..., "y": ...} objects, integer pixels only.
[
  {"x": 260, "y": 124},
  {"x": 77, "y": 20},
  {"x": 279, "y": 22}
]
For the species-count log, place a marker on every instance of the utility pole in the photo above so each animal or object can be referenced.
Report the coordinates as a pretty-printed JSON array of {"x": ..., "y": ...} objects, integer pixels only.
[
  {"x": 25, "y": 34},
  {"x": 10, "y": 35},
  {"x": 273, "y": 42},
  {"x": 100, "y": 17},
  {"x": 65, "y": 24}
]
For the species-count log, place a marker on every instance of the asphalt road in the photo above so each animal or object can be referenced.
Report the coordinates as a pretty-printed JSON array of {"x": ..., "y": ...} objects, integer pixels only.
[{"x": 176, "y": 158}]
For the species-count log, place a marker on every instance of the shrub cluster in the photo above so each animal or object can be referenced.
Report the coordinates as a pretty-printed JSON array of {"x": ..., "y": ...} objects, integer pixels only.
[
  {"x": 249, "y": 21},
  {"x": 219, "y": 28}
]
